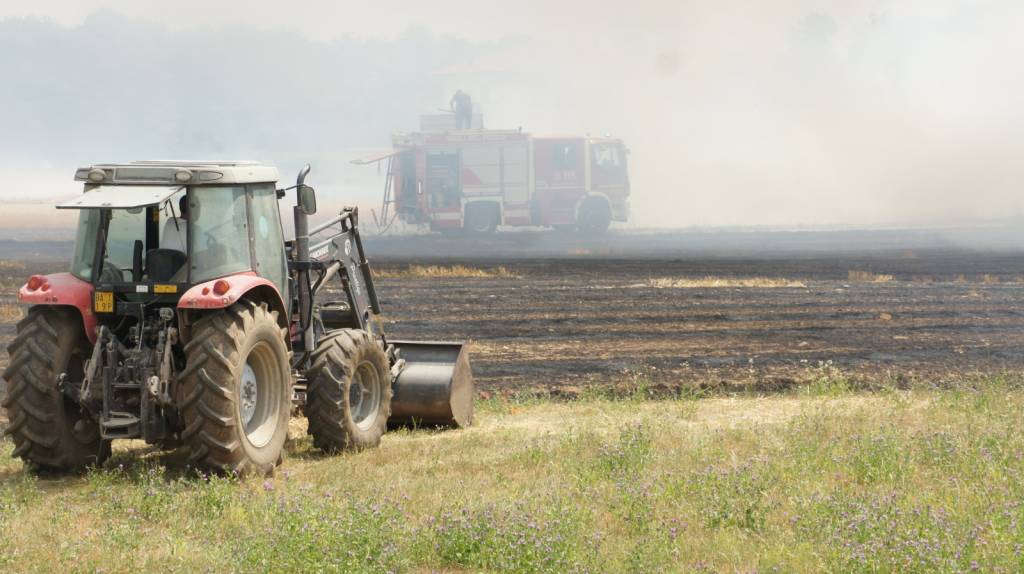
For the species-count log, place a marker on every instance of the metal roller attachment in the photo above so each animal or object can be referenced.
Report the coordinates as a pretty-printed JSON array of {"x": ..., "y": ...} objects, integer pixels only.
[{"x": 436, "y": 386}]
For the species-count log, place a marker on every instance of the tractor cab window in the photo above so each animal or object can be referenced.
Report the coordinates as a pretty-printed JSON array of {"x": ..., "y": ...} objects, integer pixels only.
[
  {"x": 268, "y": 238},
  {"x": 126, "y": 226},
  {"x": 89, "y": 221},
  {"x": 219, "y": 232},
  {"x": 174, "y": 223},
  {"x": 124, "y": 232}
]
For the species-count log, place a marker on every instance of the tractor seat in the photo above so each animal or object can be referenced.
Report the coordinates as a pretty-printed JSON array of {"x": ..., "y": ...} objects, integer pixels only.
[{"x": 162, "y": 264}]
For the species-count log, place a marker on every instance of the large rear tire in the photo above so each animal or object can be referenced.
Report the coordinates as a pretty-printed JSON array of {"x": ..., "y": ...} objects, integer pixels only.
[
  {"x": 235, "y": 391},
  {"x": 50, "y": 431},
  {"x": 348, "y": 400}
]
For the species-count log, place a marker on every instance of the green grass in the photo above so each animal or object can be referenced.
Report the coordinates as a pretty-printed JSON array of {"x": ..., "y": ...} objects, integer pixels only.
[{"x": 833, "y": 480}]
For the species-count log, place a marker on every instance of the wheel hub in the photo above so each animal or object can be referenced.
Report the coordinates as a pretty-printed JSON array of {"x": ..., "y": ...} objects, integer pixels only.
[
  {"x": 249, "y": 394},
  {"x": 364, "y": 396}
]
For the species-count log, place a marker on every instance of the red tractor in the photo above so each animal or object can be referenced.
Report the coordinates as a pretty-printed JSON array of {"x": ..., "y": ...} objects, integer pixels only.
[{"x": 186, "y": 319}]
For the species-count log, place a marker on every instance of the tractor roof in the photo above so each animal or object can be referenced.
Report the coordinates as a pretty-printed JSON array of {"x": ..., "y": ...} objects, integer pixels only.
[{"x": 141, "y": 173}]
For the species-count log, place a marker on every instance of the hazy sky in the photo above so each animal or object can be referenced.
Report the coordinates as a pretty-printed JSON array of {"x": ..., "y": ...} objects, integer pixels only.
[{"x": 786, "y": 112}]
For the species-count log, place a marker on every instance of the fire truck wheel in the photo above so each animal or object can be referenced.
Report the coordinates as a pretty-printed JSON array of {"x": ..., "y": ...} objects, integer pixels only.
[
  {"x": 348, "y": 400},
  {"x": 235, "y": 391},
  {"x": 481, "y": 218},
  {"x": 594, "y": 217},
  {"x": 49, "y": 430}
]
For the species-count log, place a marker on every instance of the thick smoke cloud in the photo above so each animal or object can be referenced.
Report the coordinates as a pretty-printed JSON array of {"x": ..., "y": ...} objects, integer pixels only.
[
  {"x": 803, "y": 113},
  {"x": 788, "y": 113}
]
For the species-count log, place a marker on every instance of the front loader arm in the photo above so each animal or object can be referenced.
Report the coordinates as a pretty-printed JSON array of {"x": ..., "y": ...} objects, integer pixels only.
[
  {"x": 339, "y": 252},
  {"x": 432, "y": 381}
]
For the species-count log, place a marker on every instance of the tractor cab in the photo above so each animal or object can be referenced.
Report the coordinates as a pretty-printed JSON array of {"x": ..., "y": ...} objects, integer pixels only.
[{"x": 149, "y": 231}]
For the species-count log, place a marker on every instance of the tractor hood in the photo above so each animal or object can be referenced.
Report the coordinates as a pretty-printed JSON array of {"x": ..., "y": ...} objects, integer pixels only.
[{"x": 121, "y": 197}]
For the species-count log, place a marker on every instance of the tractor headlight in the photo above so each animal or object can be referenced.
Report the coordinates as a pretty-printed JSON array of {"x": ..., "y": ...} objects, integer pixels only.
[{"x": 183, "y": 176}]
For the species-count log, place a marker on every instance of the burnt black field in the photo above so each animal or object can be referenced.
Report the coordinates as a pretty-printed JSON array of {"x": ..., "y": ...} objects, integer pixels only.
[{"x": 579, "y": 314}]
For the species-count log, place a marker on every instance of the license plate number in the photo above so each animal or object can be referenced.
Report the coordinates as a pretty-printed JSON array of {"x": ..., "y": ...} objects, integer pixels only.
[{"x": 103, "y": 302}]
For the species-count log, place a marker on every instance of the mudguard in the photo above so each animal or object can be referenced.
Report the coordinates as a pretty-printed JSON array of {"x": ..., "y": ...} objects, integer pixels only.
[
  {"x": 64, "y": 289},
  {"x": 203, "y": 296}
]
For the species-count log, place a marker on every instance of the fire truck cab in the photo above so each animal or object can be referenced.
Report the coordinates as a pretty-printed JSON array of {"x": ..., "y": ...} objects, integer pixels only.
[{"x": 476, "y": 180}]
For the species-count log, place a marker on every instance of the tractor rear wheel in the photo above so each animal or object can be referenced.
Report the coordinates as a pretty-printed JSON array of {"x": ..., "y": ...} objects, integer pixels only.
[
  {"x": 348, "y": 400},
  {"x": 50, "y": 431},
  {"x": 235, "y": 391}
]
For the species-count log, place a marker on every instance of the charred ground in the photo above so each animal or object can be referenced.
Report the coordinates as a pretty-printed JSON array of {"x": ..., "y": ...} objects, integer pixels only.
[
  {"x": 565, "y": 318},
  {"x": 564, "y": 326}
]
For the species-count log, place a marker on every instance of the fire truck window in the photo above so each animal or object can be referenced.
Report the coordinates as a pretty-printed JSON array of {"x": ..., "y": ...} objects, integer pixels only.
[
  {"x": 564, "y": 157},
  {"x": 607, "y": 157},
  {"x": 443, "y": 180}
]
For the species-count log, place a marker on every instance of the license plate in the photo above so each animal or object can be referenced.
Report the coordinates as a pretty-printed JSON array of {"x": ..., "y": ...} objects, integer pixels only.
[
  {"x": 103, "y": 302},
  {"x": 165, "y": 289}
]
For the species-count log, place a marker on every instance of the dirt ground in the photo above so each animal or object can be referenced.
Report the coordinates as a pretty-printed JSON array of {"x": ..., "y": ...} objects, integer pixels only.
[
  {"x": 581, "y": 317},
  {"x": 565, "y": 325}
]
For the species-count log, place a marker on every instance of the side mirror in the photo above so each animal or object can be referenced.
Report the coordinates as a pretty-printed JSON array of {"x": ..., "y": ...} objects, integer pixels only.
[{"x": 307, "y": 199}]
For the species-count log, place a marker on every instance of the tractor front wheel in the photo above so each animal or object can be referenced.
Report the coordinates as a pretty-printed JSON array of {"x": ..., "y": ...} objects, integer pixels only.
[
  {"x": 235, "y": 391},
  {"x": 348, "y": 400},
  {"x": 50, "y": 431}
]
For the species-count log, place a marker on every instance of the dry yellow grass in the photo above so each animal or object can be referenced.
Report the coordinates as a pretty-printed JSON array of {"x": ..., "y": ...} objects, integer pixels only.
[
  {"x": 867, "y": 277},
  {"x": 721, "y": 484},
  {"x": 10, "y": 313},
  {"x": 7, "y": 264},
  {"x": 989, "y": 279},
  {"x": 445, "y": 271},
  {"x": 713, "y": 282}
]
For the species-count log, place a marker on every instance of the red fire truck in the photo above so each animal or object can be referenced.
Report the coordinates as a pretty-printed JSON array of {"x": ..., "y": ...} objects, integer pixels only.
[{"x": 476, "y": 180}]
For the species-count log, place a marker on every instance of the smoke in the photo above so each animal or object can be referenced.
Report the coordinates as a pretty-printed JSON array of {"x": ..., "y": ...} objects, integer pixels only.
[
  {"x": 785, "y": 113},
  {"x": 801, "y": 113}
]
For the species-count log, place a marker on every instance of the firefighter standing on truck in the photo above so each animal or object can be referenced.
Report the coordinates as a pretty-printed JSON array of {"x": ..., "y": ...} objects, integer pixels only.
[{"x": 462, "y": 105}]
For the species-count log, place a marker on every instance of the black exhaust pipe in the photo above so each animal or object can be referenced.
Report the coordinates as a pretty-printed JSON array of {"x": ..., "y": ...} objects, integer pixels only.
[{"x": 302, "y": 257}]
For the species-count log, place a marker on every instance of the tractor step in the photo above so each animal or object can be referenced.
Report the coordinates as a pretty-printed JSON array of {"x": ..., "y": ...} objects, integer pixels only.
[{"x": 120, "y": 425}]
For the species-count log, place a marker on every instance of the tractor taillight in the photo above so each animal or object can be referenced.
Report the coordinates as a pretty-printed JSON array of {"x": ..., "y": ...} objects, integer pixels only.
[
  {"x": 221, "y": 287},
  {"x": 35, "y": 282}
]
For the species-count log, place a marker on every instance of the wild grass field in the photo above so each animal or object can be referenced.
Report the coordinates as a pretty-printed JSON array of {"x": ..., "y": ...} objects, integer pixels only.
[
  {"x": 820, "y": 479},
  {"x": 665, "y": 461}
]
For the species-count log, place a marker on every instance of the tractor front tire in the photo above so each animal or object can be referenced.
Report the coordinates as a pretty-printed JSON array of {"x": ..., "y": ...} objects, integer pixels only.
[
  {"x": 50, "y": 431},
  {"x": 348, "y": 400},
  {"x": 235, "y": 391}
]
